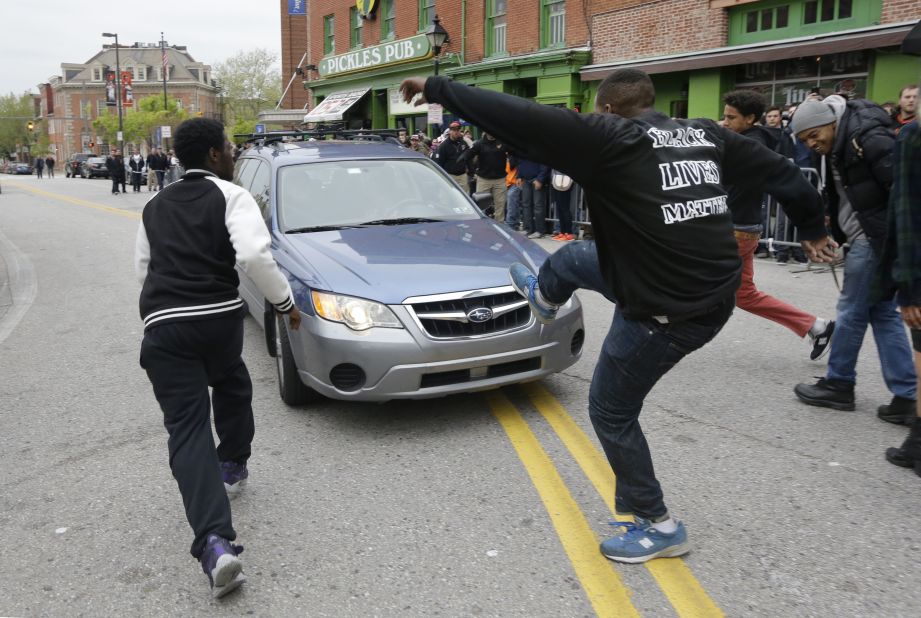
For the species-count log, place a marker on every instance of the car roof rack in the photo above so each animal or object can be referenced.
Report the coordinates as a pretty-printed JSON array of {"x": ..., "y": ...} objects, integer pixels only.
[{"x": 322, "y": 134}]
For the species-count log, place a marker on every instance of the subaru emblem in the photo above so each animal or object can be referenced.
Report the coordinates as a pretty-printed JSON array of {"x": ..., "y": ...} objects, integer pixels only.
[{"x": 480, "y": 314}]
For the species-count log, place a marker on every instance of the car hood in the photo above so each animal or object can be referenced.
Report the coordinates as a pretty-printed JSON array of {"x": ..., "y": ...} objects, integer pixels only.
[{"x": 389, "y": 263}]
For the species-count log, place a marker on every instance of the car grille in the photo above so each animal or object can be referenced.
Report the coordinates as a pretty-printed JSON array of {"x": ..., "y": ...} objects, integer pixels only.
[{"x": 448, "y": 316}]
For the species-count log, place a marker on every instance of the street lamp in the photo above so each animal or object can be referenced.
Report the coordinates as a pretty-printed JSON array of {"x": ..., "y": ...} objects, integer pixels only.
[
  {"x": 437, "y": 36},
  {"x": 118, "y": 90}
]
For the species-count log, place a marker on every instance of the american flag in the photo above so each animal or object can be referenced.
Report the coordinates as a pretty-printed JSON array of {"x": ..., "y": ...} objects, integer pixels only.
[{"x": 165, "y": 58}]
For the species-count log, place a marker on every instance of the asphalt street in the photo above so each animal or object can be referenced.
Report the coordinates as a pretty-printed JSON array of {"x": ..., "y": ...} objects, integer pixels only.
[{"x": 486, "y": 504}]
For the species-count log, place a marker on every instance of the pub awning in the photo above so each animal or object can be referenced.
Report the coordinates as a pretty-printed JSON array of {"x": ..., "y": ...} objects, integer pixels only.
[
  {"x": 889, "y": 35},
  {"x": 335, "y": 105}
]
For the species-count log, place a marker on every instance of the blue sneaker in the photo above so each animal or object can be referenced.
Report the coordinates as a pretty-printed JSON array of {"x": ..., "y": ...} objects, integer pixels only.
[
  {"x": 220, "y": 563},
  {"x": 526, "y": 284},
  {"x": 234, "y": 475},
  {"x": 641, "y": 542}
]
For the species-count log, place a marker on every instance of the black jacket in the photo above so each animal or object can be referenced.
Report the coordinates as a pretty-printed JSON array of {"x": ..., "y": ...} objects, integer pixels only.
[
  {"x": 116, "y": 167},
  {"x": 451, "y": 155},
  {"x": 491, "y": 156},
  {"x": 862, "y": 155},
  {"x": 192, "y": 234},
  {"x": 654, "y": 191},
  {"x": 745, "y": 198}
]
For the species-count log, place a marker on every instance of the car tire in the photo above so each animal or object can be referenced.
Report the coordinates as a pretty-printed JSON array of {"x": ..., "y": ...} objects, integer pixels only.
[{"x": 292, "y": 391}]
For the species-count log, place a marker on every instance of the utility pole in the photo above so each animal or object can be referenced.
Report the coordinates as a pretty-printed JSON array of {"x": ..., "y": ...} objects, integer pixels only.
[{"x": 118, "y": 91}]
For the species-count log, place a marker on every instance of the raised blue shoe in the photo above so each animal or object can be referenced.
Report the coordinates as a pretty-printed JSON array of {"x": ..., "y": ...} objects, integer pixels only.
[
  {"x": 220, "y": 563},
  {"x": 641, "y": 542},
  {"x": 526, "y": 284}
]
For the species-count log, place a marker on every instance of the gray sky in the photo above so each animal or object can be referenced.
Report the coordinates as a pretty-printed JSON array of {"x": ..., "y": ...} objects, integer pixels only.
[{"x": 37, "y": 36}]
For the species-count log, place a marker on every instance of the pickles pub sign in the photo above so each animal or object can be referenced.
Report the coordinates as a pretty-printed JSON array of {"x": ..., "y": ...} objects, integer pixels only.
[{"x": 377, "y": 56}]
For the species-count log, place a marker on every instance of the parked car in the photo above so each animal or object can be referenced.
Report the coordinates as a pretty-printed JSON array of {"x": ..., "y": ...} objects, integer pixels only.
[
  {"x": 73, "y": 164},
  {"x": 401, "y": 279},
  {"x": 19, "y": 168},
  {"x": 94, "y": 167}
]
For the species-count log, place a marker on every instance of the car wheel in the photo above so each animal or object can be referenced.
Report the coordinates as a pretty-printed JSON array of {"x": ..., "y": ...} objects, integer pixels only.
[{"x": 292, "y": 391}]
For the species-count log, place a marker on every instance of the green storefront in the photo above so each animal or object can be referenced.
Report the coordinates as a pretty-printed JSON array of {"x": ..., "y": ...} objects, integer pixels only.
[
  {"x": 367, "y": 80},
  {"x": 784, "y": 49}
]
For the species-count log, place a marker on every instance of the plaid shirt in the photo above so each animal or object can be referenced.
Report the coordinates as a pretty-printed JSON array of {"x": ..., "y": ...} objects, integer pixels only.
[{"x": 900, "y": 263}]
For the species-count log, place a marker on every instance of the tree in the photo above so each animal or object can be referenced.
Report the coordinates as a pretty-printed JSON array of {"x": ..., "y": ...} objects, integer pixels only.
[
  {"x": 15, "y": 112},
  {"x": 251, "y": 83},
  {"x": 140, "y": 124}
]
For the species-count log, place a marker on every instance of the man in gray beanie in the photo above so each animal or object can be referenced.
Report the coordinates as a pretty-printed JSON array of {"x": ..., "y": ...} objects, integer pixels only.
[{"x": 856, "y": 140}]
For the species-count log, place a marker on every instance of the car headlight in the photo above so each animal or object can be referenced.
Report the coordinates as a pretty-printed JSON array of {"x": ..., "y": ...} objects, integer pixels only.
[{"x": 356, "y": 313}]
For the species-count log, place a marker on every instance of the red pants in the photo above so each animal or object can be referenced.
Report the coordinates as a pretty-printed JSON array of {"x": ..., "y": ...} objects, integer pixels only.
[{"x": 749, "y": 298}]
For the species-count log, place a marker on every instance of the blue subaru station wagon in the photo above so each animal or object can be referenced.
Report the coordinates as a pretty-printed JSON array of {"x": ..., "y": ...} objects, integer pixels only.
[{"x": 401, "y": 279}]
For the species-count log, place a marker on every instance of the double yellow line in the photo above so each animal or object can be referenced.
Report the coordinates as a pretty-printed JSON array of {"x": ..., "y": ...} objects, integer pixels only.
[
  {"x": 600, "y": 579},
  {"x": 77, "y": 201}
]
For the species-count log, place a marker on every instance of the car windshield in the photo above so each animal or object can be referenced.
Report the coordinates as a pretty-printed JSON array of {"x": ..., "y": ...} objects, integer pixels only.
[{"x": 371, "y": 192}]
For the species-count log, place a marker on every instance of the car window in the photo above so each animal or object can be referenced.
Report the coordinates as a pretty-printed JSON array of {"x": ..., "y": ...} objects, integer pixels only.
[
  {"x": 244, "y": 172},
  {"x": 352, "y": 192},
  {"x": 262, "y": 180}
]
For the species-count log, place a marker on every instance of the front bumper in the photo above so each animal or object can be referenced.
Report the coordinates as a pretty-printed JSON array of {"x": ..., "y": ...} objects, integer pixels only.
[{"x": 408, "y": 364}]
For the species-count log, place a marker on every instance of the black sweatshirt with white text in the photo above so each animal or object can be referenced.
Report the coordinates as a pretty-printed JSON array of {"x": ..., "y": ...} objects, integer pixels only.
[{"x": 654, "y": 188}]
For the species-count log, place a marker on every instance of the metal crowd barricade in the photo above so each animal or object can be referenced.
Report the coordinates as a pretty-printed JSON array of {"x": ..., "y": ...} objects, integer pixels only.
[
  {"x": 580, "y": 218},
  {"x": 778, "y": 230}
]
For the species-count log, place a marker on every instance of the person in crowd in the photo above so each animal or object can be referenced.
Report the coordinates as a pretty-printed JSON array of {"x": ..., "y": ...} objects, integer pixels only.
[
  {"x": 908, "y": 106},
  {"x": 39, "y": 166},
  {"x": 663, "y": 249},
  {"x": 855, "y": 139},
  {"x": 513, "y": 196},
  {"x": 889, "y": 107},
  {"x": 150, "y": 161},
  {"x": 533, "y": 178},
  {"x": 746, "y": 200},
  {"x": 488, "y": 158},
  {"x": 49, "y": 166},
  {"x": 191, "y": 236},
  {"x": 900, "y": 270},
  {"x": 160, "y": 167},
  {"x": 416, "y": 144},
  {"x": 772, "y": 118},
  {"x": 402, "y": 137},
  {"x": 451, "y": 154},
  {"x": 564, "y": 195},
  {"x": 136, "y": 164},
  {"x": 115, "y": 164}
]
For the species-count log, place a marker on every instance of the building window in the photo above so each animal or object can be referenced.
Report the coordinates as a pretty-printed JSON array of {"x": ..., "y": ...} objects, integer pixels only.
[
  {"x": 426, "y": 13},
  {"x": 767, "y": 19},
  {"x": 101, "y": 107},
  {"x": 329, "y": 34},
  {"x": 553, "y": 23},
  {"x": 97, "y": 74},
  {"x": 388, "y": 17},
  {"x": 357, "y": 24},
  {"x": 816, "y": 11},
  {"x": 140, "y": 74},
  {"x": 496, "y": 27},
  {"x": 158, "y": 72}
]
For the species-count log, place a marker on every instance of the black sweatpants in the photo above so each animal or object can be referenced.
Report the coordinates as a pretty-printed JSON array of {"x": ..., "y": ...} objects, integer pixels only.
[{"x": 182, "y": 360}]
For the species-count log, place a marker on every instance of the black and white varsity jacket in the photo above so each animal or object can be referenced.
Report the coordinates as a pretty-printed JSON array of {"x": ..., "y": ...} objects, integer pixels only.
[{"x": 192, "y": 234}]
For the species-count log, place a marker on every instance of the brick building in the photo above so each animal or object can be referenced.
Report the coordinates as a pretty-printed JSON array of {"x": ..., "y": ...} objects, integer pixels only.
[
  {"x": 71, "y": 101},
  {"x": 533, "y": 48},
  {"x": 558, "y": 51}
]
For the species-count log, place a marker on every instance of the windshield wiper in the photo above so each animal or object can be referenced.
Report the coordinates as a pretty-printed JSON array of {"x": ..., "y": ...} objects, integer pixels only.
[
  {"x": 320, "y": 228},
  {"x": 401, "y": 221}
]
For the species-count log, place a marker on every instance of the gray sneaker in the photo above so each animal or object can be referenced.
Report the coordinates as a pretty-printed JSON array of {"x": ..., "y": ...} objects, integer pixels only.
[{"x": 535, "y": 235}]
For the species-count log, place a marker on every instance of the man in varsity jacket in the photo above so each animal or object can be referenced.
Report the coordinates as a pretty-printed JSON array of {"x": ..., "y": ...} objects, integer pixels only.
[
  {"x": 191, "y": 236},
  {"x": 667, "y": 255}
]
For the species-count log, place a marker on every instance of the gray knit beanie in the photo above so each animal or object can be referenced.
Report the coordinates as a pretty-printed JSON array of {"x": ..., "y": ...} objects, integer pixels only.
[{"x": 810, "y": 114}]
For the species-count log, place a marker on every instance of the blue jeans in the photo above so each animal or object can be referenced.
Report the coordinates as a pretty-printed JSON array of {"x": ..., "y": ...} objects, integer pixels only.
[
  {"x": 634, "y": 356},
  {"x": 855, "y": 313},
  {"x": 513, "y": 207}
]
